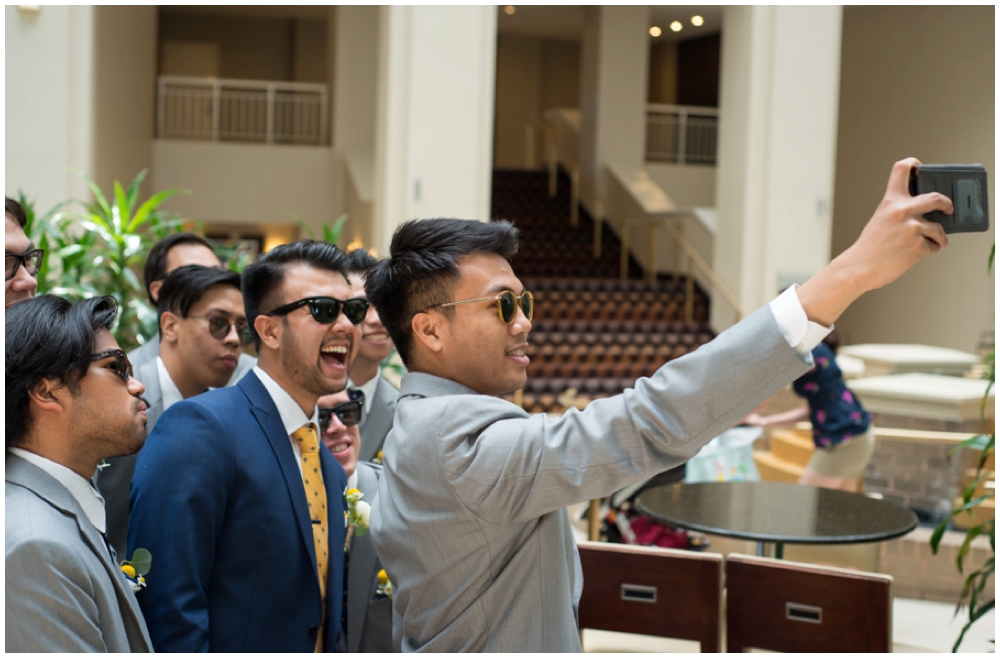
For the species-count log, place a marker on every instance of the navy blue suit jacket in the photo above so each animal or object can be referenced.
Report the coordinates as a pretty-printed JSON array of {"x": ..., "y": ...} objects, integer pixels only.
[{"x": 218, "y": 500}]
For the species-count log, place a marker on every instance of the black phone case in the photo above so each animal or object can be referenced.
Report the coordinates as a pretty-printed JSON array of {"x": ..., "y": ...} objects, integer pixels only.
[{"x": 966, "y": 186}]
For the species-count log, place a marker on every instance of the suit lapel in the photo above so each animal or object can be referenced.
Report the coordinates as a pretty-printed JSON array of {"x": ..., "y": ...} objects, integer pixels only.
[
  {"x": 266, "y": 413},
  {"x": 379, "y": 420},
  {"x": 49, "y": 489},
  {"x": 361, "y": 572}
]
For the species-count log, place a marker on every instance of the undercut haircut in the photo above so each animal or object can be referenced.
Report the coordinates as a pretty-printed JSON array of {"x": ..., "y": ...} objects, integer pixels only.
[
  {"x": 422, "y": 269},
  {"x": 48, "y": 337},
  {"x": 185, "y": 286},
  {"x": 156, "y": 263},
  {"x": 16, "y": 210},
  {"x": 359, "y": 261},
  {"x": 263, "y": 279}
]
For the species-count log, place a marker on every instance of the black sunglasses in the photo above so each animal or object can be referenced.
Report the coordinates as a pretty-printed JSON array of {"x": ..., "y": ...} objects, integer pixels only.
[
  {"x": 122, "y": 365},
  {"x": 32, "y": 261},
  {"x": 326, "y": 309},
  {"x": 349, "y": 413},
  {"x": 219, "y": 326},
  {"x": 507, "y": 303}
]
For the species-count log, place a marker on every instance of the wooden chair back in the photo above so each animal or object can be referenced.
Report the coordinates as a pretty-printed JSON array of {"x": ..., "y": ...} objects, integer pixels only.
[
  {"x": 653, "y": 591},
  {"x": 785, "y": 606}
]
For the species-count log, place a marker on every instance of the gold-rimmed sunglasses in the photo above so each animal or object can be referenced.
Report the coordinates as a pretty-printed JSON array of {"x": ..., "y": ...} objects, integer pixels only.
[{"x": 507, "y": 304}]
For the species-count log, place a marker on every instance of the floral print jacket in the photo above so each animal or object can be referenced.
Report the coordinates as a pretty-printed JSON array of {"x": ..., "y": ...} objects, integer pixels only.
[{"x": 835, "y": 413}]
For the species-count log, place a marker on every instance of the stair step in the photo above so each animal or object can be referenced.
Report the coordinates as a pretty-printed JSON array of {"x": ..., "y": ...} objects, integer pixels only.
[
  {"x": 792, "y": 446},
  {"x": 774, "y": 469}
]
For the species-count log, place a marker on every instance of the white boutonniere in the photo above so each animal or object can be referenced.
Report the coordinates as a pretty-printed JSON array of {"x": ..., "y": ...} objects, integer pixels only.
[{"x": 357, "y": 516}]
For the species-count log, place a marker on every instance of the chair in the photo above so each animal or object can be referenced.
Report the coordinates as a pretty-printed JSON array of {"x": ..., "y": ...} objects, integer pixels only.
[
  {"x": 795, "y": 607},
  {"x": 652, "y": 591}
]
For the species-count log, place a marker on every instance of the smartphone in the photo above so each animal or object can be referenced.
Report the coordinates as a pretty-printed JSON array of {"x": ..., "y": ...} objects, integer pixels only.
[{"x": 965, "y": 185}]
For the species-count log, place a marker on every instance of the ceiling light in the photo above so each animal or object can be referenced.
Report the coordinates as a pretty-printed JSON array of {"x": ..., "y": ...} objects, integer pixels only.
[
  {"x": 697, "y": 21},
  {"x": 676, "y": 26},
  {"x": 509, "y": 10},
  {"x": 655, "y": 31}
]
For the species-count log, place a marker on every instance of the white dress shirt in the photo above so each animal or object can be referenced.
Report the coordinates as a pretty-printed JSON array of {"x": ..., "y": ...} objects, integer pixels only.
[
  {"x": 802, "y": 334},
  {"x": 168, "y": 390},
  {"x": 291, "y": 414},
  {"x": 368, "y": 388},
  {"x": 89, "y": 499}
]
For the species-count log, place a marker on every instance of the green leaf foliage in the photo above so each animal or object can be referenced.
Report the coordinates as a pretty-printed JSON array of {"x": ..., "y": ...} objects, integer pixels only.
[{"x": 141, "y": 561}]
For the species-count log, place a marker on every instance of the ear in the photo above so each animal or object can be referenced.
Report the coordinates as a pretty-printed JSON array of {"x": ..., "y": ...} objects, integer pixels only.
[
  {"x": 154, "y": 290},
  {"x": 269, "y": 329},
  {"x": 428, "y": 330},
  {"x": 49, "y": 395},
  {"x": 169, "y": 326}
]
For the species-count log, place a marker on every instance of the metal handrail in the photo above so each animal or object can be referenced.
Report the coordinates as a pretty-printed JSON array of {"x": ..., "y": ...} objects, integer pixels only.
[{"x": 602, "y": 210}]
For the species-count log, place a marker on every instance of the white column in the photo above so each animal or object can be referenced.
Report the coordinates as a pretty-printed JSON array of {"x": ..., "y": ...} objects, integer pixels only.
[
  {"x": 613, "y": 87},
  {"x": 780, "y": 82},
  {"x": 49, "y": 87},
  {"x": 434, "y": 116}
]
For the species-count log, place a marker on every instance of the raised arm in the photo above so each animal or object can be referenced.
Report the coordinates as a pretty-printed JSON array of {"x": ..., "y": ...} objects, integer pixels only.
[{"x": 894, "y": 240}]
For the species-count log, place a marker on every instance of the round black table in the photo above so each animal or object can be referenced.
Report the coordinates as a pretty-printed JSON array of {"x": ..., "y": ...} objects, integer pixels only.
[{"x": 776, "y": 512}]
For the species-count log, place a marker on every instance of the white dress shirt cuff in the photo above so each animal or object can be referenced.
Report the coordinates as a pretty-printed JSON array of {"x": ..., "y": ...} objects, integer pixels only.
[{"x": 801, "y": 334}]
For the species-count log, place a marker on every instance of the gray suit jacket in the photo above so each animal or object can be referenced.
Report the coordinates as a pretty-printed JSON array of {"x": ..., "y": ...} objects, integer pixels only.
[
  {"x": 470, "y": 522},
  {"x": 115, "y": 479},
  {"x": 378, "y": 421},
  {"x": 149, "y": 350},
  {"x": 63, "y": 591},
  {"x": 369, "y": 619}
]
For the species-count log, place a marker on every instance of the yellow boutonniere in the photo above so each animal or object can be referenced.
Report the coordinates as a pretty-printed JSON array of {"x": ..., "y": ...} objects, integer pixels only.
[
  {"x": 137, "y": 567},
  {"x": 384, "y": 586},
  {"x": 358, "y": 515}
]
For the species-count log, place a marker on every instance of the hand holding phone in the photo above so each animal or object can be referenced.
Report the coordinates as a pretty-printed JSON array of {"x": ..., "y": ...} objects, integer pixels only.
[{"x": 965, "y": 185}]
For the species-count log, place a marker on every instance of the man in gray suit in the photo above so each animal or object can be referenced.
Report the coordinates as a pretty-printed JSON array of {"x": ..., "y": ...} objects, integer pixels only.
[
  {"x": 70, "y": 402},
  {"x": 203, "y": 329},
  {"x": 173, "y": 251},
  {"x": 368, "y": 615},
  {"x": 470, "y": 520},
  {"x": 366, "y": 369}
]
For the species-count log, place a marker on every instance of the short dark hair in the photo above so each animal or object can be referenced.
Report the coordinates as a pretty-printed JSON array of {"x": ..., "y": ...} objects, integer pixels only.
[
  {"x": 422, "y": 268},
  {"x": 156, "y": 263},
  {"x": 359, "y": 261},
  {"x": 262, "y": 279},
  {"x": 48, "y": 337},
  {"x": 16, "y": 210},
  {"x": 186, "y": 285}
]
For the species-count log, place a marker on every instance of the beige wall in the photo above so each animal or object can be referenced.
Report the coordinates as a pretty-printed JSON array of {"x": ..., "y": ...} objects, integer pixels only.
[
  {"x": 533, "y": 75},
  {"x": 245, "y": 183},
  {"x": 663, "y": 72},
  {"x": 48, "y": 89},
  {"x": 917, "y": 81},
  {"x": 124, "y": 68},
  {"x": 250, "y": 48}
]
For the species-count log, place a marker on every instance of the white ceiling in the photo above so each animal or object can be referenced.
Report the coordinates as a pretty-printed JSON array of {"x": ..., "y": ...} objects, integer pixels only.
[{"x": 566, "y": 21}]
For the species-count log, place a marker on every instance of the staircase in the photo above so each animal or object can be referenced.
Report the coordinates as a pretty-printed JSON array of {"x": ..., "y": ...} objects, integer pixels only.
[
  {"x": 593, "y": 333},
  {"x": 790, "y": 452}
]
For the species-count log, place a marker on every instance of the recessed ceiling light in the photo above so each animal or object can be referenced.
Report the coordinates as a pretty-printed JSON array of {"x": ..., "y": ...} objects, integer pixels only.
[
  {"x": 509, "y": 10},
  {"x": 655, "y": 31},
  {"x": 676, "y": 26},
  {"x": 697, "y": 21}
]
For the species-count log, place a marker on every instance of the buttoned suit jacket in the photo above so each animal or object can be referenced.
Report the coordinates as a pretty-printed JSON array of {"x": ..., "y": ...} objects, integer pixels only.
[
  {"x": 378, "y": 421},
  {"x": 63, "y": 590},
  {"x": 369, "y": 617},
  {"x": 470, "y": 521},
  {"x": 149, "y": 350},
  {"x": 114, "y": 479},
  {"x": 218, "y": 499}
]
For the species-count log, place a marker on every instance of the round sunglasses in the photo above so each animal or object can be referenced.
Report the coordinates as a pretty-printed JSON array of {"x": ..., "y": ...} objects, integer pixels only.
[
  {"x": 326, "y": 309},
  {"x": 507, "y": 304},
  {"x": 218, "y": 327}
]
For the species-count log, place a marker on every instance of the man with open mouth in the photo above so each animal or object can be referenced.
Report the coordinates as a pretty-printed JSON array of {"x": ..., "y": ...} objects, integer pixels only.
[{"x": 233, "y": 494}]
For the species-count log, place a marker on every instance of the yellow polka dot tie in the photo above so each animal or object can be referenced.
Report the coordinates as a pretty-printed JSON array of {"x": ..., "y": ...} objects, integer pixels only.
[{"x": 312, "y": 481}]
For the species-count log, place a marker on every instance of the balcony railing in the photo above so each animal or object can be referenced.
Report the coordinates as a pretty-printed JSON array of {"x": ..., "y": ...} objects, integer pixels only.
[
  {"x": 681, "y": 134},
  {"x": 225, "y": 110}
]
